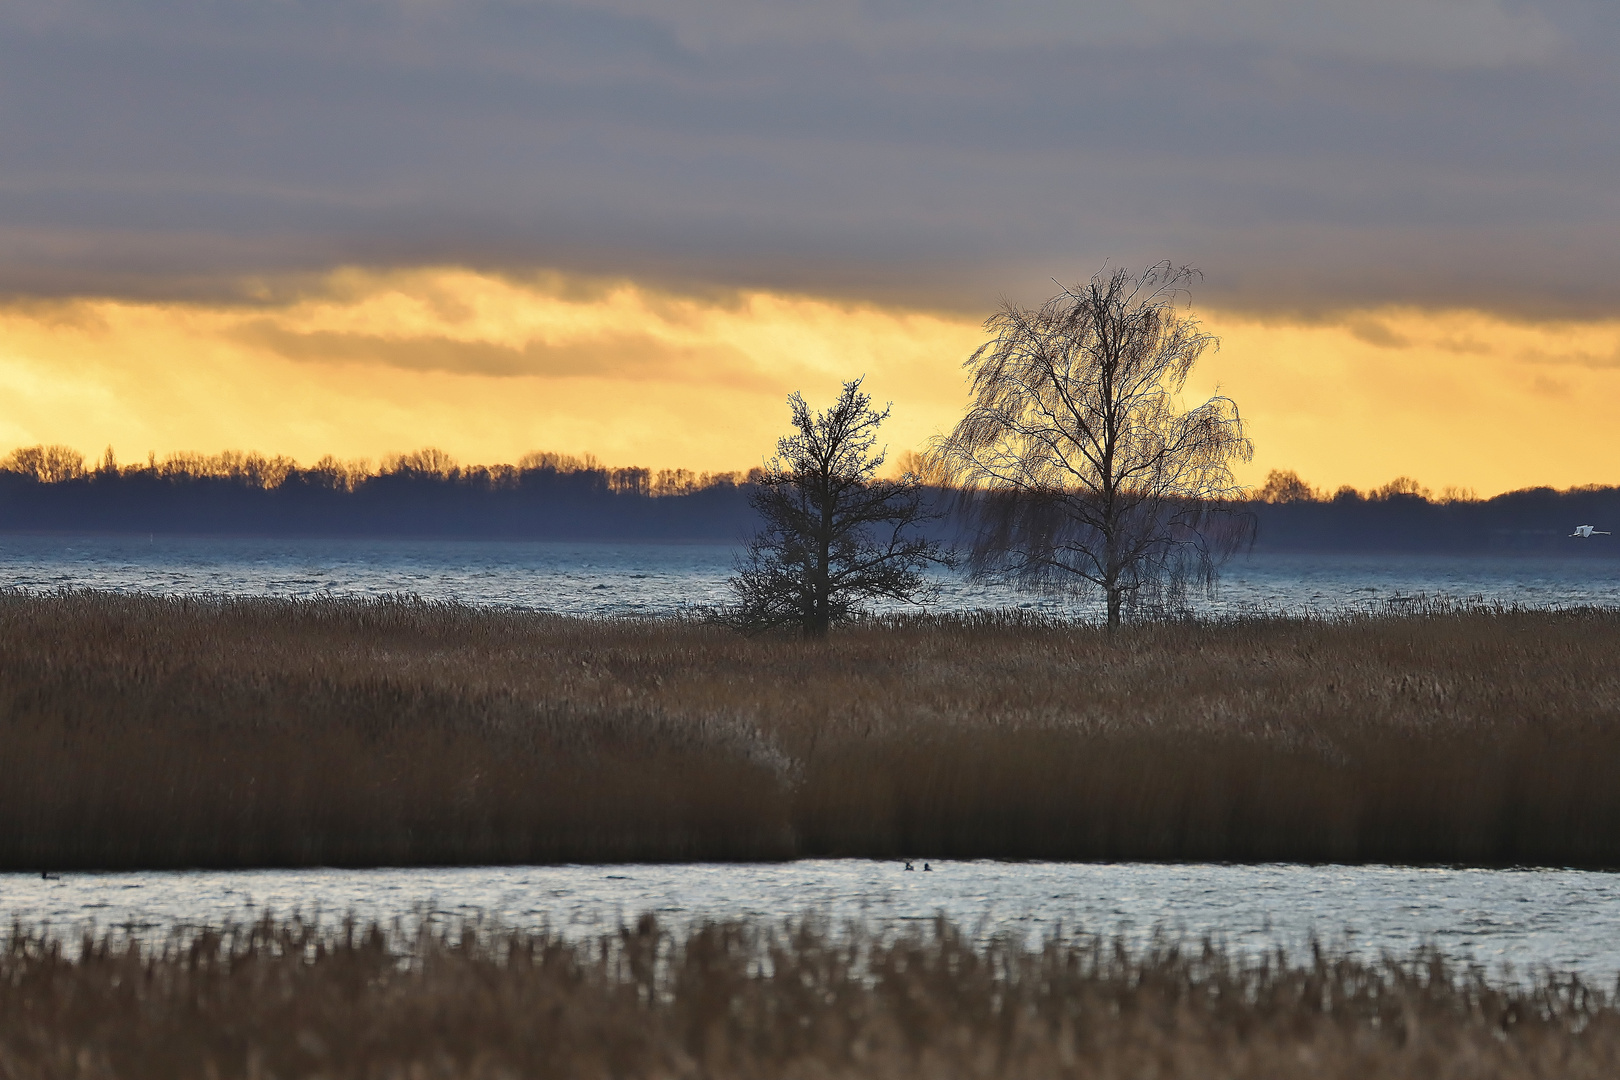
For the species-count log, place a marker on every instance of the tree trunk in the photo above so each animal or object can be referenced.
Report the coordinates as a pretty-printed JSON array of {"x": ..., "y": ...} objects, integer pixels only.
[
  {"x": 821, "y": 598},
  {"x": 816, "y": 619},
  {"x": 1112, "y": 590}
]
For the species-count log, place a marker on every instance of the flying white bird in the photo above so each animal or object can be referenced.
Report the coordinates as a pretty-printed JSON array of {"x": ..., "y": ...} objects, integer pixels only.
[{"x": 1586, "y": 532}]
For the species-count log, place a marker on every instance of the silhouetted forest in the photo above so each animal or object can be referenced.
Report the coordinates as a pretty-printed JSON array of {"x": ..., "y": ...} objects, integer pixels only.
[
  {"x": 422, "y": 494},
  {"x": 552, "y": 496},
  {"x": 1403, "y": 516}
]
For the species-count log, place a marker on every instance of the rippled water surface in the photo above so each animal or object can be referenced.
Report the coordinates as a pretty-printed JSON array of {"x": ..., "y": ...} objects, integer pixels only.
[
  {"x": 1565, "y": 920},
  {"x": 652, "y": 579}
]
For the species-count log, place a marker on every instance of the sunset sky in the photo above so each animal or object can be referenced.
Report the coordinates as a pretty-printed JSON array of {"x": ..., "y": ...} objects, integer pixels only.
[{"x": 632, "y": 227}]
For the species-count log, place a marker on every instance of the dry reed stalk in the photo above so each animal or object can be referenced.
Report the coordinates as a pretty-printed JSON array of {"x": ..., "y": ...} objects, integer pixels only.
[
  {"x": 760, "y": 1001},
  {"x": 152, "y": 732}
]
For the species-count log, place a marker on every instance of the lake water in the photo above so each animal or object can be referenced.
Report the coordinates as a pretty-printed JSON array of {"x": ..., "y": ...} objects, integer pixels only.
[
  {"x": 1522, "y": 920},
  {"x": 1526, "y": 919},
  {"x": 659, "y": 579}
]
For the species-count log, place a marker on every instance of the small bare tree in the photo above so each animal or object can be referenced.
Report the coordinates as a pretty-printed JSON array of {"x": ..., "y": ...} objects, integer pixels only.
[
  {"x": 834, "y": 535},
  {"x": 1075, "y": 461}
]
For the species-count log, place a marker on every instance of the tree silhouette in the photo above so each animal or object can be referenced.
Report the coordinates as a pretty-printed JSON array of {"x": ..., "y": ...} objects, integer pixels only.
[
  {"x": 47, "y": 464},
  {"x": 1075, "y": 462},
  {"x": 833, "y": 534},
  {"x": 1285, "y": 486}
]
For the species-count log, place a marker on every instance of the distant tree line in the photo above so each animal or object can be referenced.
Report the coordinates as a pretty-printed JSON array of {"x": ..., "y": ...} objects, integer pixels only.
[
  {"x": 425, "y": 493},
  {"x": 1405, "y": 516},
  {"x": 556, "y": 496},
  {"x": 57, "y": 464}
]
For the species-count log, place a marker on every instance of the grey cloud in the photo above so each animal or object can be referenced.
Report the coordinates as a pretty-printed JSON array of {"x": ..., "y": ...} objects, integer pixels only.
[
  {"x": 1308, "y": 154},
  {"x": 621, "y": 356},
  {"x": 1374, "y": 332},
  {"x": 1572, "y": 357},
  {"x": 1445, "y": 32}
]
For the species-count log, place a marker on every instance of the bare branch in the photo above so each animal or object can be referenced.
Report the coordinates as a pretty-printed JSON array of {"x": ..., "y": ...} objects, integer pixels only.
[{"x": 1075, "y": 461}]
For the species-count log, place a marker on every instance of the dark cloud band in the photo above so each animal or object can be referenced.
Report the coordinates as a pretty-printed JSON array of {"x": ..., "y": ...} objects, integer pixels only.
[{"x": 1308, "y": 156}]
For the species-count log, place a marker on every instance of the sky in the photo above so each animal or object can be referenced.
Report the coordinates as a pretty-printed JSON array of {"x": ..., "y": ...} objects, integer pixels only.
[{"x": 632, "y": 227}]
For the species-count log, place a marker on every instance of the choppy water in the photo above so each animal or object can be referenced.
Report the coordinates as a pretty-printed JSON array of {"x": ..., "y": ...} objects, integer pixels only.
[
  {"x": 654, "y": 579},
  {"x": 1525, "y": 920}
]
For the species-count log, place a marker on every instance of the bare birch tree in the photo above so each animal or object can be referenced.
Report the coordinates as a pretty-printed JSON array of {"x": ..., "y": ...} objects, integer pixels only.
[
  {"x": 1078, "y": 468},
  {"x": 834, "y": 535}
]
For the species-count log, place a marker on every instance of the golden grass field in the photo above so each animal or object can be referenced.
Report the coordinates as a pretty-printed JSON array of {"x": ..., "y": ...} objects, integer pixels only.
[
  {"x": 755, "y": 1001},
  {"x": 164, "y": 732}
]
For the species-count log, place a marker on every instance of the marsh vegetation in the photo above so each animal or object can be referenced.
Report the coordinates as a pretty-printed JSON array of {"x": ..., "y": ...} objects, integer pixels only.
[
  {"x": 145, "y": 731},
  {"x": 762, "y": 1000}
]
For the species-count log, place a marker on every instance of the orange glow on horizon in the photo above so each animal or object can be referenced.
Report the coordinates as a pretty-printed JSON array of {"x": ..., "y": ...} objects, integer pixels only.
[{"x": 489, "y": 368}]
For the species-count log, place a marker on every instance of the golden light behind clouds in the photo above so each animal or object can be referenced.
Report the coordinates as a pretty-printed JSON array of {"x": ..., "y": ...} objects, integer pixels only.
[
  {"x": 489, "y": 367},
  {"x": 482, "y": 366},
  {"x": 1455, "y": 398}
]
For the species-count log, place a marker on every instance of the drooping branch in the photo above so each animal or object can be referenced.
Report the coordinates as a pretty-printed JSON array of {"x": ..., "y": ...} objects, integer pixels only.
[{"x": 1075, "y": 461}]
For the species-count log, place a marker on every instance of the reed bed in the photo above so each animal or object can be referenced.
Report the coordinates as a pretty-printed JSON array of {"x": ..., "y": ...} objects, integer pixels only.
[
  {"x": 760, "y": 1001},
  {"x": 144, "y": 731}
]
